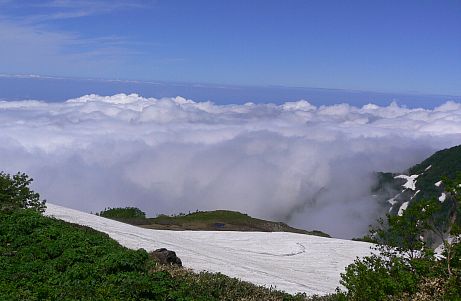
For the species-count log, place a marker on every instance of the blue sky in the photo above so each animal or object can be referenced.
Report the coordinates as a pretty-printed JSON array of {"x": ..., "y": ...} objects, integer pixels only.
[{"x": 389, "y": 46}]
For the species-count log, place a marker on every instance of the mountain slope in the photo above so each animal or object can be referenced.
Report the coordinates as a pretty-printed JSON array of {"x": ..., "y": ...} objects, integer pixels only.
[
  {"x": 287, "y": 261},
  {"x": 444, "y": 163},
  {"x": 422, "y": 181}
]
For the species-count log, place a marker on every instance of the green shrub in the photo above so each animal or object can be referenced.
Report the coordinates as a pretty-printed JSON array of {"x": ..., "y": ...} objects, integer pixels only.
[
  {"x": 123, "y": 213},
  {"x": 16, "y": 194},
  {"x": 42, "y": 258},
  {"x": 405, "y": 264}
]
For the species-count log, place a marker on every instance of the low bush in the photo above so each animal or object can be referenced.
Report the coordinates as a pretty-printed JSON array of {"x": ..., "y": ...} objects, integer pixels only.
[{"x": 404, "y": 266}]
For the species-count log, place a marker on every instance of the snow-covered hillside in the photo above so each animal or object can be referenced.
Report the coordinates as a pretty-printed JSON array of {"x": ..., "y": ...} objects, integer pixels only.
[{"x": 287, "y": 261}]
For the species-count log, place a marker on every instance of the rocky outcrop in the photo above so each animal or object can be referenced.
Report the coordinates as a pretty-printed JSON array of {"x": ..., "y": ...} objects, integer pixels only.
[{"x": 165, "y": 256}]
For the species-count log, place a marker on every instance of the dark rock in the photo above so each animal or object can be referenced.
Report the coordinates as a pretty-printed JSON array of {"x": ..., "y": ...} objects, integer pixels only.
[
  {"x": 219, "y": 225},
  {"x": 165, "y": 256}
]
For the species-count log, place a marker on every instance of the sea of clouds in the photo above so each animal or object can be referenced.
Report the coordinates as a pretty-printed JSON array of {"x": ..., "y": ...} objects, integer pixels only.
[{"x": 309, "y": 166}]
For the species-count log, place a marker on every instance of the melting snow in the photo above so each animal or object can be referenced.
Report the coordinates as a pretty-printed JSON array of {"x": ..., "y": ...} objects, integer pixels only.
[
  {"x": 442, "y": 197},
  {"x": 438, "y": 183},
  {"x": 427, "y": 168},
  {"x": 439, "y": 250},
  {"x": 402, "y": 208},
  {"x": 392, "y": 202},
  {"x": 290, "y": 262},
  {"x": 411, "y": 181},
  {"x": 415, "y": 194}
]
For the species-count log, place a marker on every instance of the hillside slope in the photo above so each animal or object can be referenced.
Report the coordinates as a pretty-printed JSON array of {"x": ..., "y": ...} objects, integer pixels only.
[
  {"x": 43, "y": 258},
  {"x": 288, "y": 261},
  {"x": 216, "y": 220}
]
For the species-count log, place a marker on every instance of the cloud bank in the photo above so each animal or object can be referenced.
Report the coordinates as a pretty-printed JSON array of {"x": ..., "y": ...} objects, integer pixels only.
[{"x": 306, "y": 165}]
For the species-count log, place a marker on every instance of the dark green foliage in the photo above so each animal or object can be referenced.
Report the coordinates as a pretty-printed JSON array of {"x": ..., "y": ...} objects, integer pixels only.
[
  {"x": 46, "y": 259},
  {"x": 127, "y": 212},
  {"x": 375, "y": 278},
  {"x": 217, "y": 286},
  {"x": 444, "y": 164},
  {"x": 402, "y": 261},
  {"x": 15, "y": 193},
  {"x": 404, "y": 266},
  {"x": 43, "y": 258},
  {"x": 402, "y": 234},
  {"x": 129, "y": 215}
]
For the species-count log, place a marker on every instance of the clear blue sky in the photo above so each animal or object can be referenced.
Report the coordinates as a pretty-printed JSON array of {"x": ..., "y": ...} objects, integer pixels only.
[{"x": 393, "y": 46}]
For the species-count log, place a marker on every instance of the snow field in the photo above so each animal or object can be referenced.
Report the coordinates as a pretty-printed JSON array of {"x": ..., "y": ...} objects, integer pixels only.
[{"x": 287, "y": 261}]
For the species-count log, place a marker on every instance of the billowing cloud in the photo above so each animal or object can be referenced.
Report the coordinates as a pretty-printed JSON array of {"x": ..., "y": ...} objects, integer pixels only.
[{"x": 306, "y": 165}]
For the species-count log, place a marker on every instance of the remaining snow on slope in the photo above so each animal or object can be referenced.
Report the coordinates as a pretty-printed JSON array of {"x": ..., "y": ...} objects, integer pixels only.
[
  {"x": 402, "y": 208},
  {"x": 427, "y": 168},
  {"x": 438, "y": 183},
  {"x": 288, "y": 261},
  {"x": 411, "y": 181},
  {"x": 392, "y": 201},
  {"x": 442, "y": 197}
]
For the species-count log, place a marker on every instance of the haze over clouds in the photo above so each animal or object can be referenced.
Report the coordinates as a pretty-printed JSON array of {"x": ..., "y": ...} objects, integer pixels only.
[{"x": 306, "y": 165}]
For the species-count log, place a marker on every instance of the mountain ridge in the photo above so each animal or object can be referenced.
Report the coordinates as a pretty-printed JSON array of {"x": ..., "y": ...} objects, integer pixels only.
[{"x": 214, "y": 220}]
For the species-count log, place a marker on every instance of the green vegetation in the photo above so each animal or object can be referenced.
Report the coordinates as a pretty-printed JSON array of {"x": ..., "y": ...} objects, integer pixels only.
[
  {"x": 444, "y": 163},
  {"x": 127, "y": 212},
  {"x": 15, "y": 193},
  {"x": 405, "y": 267},
  {"x": 47, "y": 259},
  {"x": 129, "y": 215},
  {"x": 224, "y": 220}
]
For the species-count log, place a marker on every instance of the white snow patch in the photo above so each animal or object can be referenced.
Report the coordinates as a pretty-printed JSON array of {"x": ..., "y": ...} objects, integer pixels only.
[
  {"x": 450, "y": 239},
  {"x": 438, "y": 183},
  {"x": 392, "y": 201},
  {"x": 411, "y": 181},
  {"x": 415, "y": 194},
  {"x": 288, "y": 261},
  {"x": 438, "y": 251},
  {"x": 442, "y": 197},
  {"x": 427, "y": 168},
  {"x": 402, "y": 208}
]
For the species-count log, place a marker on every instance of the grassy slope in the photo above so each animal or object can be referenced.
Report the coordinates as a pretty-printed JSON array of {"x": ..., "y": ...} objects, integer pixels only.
[
  {"x": 221, "y": 220},
  {"x": 46, "y": 259}
]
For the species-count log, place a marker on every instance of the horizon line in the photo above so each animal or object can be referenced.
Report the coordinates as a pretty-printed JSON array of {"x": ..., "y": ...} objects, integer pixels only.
[{"x": 213, "y": 85}]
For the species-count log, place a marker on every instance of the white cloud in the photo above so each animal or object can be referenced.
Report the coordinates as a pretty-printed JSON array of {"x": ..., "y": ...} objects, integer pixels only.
[{"x": 306, "y": 165}]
